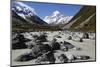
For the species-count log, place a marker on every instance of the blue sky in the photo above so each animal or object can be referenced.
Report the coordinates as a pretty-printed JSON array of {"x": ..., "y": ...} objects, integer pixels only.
[{"x": 46, "y": 9}]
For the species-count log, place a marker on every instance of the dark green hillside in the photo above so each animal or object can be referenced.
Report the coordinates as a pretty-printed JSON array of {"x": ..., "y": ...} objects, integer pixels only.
[
  {"x": 87, "y": 20},
  {"x": 90, "y": 26},
  {"x": 19, "y": 24}
]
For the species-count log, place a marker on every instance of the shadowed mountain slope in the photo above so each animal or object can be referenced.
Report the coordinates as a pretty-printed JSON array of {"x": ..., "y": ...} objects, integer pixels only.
[{"x": 84, "y": 20}]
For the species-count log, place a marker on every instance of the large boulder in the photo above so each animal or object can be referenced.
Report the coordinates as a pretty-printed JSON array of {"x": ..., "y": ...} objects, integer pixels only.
[
  {"x": 38, "y": 50},
  {"x": 19, "y": 42},
  {"x": 42, "y": 38},
  {"x": 71, "y": 57},
  {"x": 31, "y": 44},
  {"x": 63, "y": 48},
  {"x": 34, "y": 36},
  {"x": 46, "y": 58},
  {"x": 86, "y": 36},
  {"x": 41, "y": 60},
  {"x": 62, "y": 58},
  {"x": 68, "y": 45},
  {"x": 69, "y": 38},
  {"x": 81, "y": 40},
  {"x": 51, "y": 57},
  {"x": 54, "y": 44},
  {"x": 57, "y": 36}
]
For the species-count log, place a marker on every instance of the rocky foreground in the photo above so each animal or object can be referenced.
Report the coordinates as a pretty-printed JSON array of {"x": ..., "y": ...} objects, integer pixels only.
[{"x": 52, "y": 47}]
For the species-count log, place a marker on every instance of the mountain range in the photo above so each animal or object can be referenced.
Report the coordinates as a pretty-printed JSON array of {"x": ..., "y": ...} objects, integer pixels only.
[
  {"x": 57, "y": 18},
  {"x": 25, "y": 18},
  {"x": 26, "y": 13}
]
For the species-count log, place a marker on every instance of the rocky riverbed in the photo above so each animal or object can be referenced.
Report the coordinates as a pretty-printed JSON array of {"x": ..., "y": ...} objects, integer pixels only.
[{"x": 74, "y": 47}]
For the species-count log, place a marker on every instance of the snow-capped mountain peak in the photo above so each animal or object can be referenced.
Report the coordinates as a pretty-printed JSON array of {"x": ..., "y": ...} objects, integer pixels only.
[
  {"x": 26, "y": 12},
  {"x": 27, "y": 8},
  {"x": 55, "y": 13},
  {"x": 23, "y": 9},
  {"x": 57, "y": 18}
]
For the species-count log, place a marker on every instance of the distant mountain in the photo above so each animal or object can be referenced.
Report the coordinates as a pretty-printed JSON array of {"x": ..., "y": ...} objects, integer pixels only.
[
  {"x": 84, "y": 20},
  {"x": 24, "y": 18},
  {"x": 26, "y": 13},
  {"x": 57, "y": 18}
]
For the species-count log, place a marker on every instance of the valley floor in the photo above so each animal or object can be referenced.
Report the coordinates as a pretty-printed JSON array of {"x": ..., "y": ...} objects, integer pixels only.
[{"x": 87, "y": 48}]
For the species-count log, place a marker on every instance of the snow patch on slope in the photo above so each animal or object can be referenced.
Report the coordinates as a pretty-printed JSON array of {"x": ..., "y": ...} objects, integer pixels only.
[{"x": 23, "y": 10}]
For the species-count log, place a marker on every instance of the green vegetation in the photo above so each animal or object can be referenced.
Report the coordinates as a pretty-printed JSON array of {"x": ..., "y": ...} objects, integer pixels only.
[
  {"x": 27, "y": 27},
  {"x": 85, "y": 13}
]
